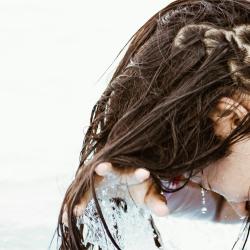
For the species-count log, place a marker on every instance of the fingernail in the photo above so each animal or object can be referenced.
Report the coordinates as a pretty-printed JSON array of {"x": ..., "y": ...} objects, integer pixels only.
[{"x": 103, "y": 168}]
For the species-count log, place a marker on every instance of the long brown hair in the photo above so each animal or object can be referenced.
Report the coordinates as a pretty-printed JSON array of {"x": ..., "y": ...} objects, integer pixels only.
[{"x": 154, "y": 112}]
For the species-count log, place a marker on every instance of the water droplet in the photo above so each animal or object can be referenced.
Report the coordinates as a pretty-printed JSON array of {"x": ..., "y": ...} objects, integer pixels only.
[{"x": 204, "y": 210}]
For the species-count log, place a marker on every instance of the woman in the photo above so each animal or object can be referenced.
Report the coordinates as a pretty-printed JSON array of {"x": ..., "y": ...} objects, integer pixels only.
[{"x": 177, "y": 108}]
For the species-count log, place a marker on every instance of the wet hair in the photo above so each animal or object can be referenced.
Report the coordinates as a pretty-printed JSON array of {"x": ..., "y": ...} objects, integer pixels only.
[{"x": 154, "y": 112}]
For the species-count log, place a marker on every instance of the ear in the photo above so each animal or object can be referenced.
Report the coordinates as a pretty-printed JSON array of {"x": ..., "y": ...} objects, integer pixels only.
[{"x": 226, "y": 116}]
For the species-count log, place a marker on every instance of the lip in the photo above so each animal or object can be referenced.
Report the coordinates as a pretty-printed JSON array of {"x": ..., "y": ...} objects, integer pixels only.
[{"x": 240, "y": 208}]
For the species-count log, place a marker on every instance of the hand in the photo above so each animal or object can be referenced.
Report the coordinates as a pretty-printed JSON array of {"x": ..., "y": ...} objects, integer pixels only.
[{"x": 140, "y": 184}]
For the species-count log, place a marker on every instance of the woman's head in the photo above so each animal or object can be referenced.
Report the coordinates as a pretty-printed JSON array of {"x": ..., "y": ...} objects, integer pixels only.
[
  {"x": 160, "y": 110},
  {"x": 230, "y": 175}
]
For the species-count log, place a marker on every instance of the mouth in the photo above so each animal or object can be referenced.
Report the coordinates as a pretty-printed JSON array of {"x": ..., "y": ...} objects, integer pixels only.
[
  {"x": 241, "y": 208},
  {"x": 247, "y": 207},
  {"x": 246, "y": 213}
]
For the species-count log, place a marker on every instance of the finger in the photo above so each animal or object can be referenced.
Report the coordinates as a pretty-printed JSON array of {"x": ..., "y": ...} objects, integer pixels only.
[
  {"x": 104, "y": 168},
  {"x": 139, "y": 191},
  {"x": 133, "y": 176},
  {"x": 65, "y": 216},
  {"x": 128, "y": 175},
  {"x": 87, "y": 196},
  {"x": 141, "y": 174},
  {"x": 79, "y": 209},
  {"x": 155, "y": 201},
  {"x": 146, "y": 194}
]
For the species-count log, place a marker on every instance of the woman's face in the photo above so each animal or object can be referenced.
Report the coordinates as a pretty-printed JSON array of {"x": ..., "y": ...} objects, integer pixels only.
[{"x": 230, "y": 176}]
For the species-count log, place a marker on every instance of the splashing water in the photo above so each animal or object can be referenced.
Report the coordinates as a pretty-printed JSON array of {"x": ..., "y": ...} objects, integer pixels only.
[{"x": 131, "y": 225}]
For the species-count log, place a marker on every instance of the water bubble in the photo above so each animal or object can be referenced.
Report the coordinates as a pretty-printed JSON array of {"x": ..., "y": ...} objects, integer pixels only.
[
  {"x": 204, "y": 210},
  {"x": 130, "y": 225}
]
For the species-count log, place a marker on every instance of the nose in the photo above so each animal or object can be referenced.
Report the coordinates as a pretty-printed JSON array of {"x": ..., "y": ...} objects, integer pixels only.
[{"x": 241, "y": 208}]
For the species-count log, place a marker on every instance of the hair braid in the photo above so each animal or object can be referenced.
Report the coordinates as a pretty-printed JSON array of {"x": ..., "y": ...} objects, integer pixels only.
[{"x": 237, "y": 38}]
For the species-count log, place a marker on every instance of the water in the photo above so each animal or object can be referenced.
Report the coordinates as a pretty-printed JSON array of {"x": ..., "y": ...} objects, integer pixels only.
[
  {"x": 129, "y": 224},
  {"x": 28, "y": 219},
  {"x": 47, "y": 95}
]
